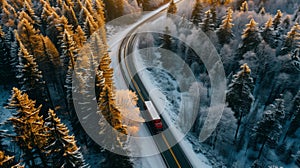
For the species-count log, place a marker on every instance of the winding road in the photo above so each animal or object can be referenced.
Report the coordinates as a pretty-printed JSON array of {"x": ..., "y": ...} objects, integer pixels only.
[{"x": 174, "y": 156}]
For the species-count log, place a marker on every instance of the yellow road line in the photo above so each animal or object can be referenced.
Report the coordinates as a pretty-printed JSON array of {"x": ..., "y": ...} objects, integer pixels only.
[
  {"x": 139, "y": 92},
  {"x": 170, "y": 149}
]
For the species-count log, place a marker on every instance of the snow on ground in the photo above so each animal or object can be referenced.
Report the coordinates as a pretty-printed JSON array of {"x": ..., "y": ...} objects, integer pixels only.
[
  {"x": 163, "y": 104},
  {"x": 4, "y": 96}
]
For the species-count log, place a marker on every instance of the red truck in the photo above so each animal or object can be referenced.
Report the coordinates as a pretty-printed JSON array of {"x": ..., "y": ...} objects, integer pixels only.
[{"x": 154, "y": 119}]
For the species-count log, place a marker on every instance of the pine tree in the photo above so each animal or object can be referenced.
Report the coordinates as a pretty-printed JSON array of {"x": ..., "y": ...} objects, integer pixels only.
[
  {"x": 6, "y": 161},
  {"x": 69, "y": 13},
  {"x": 30, "y": 38},
  {"x": 279, "y": 109},
  {"x": 244, "y": 7},
  {"x": 89, "y": 26},
  {"x": 277, "y": 20},
  {"x": 115, "y": 132},
  {"x": 107, "y": 70},
  {"x": 63, "y": 149},
  {"x": 8, "y": 15},
  {"x": 239, "y": 95},
  {"x": 292, "y": 40},
  {"x": 167, "y": 40},
  {"x": 214, "y": 17},
  {"x": 172, "y": 9},
  {"x": 225, "y": 31},
  {"x": 69, "y": 51},
  {"x": 262, "y": 11},
  {"x": 206, "y": 25},
  {"x": 287, "y": 22},
  {"x": 80, "y": 37},
  {"x": 267, "y": 33},
  {"x": 267, "y": 129},
  {"x": 197, "y": 12},
  {"x": 31, "y": 78},
  {"x": 250, "y": 38},
  {"x": 295, "y": 124},
  {"x": 30, "y": 133},
  {"x": 6, "y": 70}
]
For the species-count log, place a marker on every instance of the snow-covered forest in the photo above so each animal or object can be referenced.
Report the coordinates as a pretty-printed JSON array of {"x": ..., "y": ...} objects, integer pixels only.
[
  {"x": 43, "y": 41},
  {"x": 258, "y": 42}
]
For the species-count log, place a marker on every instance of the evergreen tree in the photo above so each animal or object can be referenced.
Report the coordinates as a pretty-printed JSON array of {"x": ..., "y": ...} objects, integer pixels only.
[
  {"x": 250, "y": 38},
  {"x": 267, "y": 129},
  {"x": 63, "y": 149},
  {"x": 107, "y": 70},
  {"x": 279, "y": 109},
  {"x": 286, "y": 22},
  {"x": 292, "y": 40},
  {"x": 213, "y": 12},
  {"x": 172, "y": 9},
  {"x": 69, "y": 13},
  {"x": 196, "y": 13},
  {"x": 6, "y": 161},
  {"x": 295, "y": 124},
  {"x": 6, "y": 70},
  {"x": 80, "y": 38},
  {"x": 167, "y": 40},
  {"x": 277, "y": 20},
  {"x": 30, "y": 133},
  {"x": 225, "y": 31},
  {"x": 206, "y": 24},
  {"x": 262, "y": 11},
  {"x": 30, "y": 38},
  {"x": 31, "y": 78},
  {"x": 267, "y": 33},
  {"x": 89, "y": 26},
  {"x": 115, "y": 132},
  {"x": 244, "y": 7},
  {"x": 69, "y": 52},
  {"x": 239, "y": 96}
]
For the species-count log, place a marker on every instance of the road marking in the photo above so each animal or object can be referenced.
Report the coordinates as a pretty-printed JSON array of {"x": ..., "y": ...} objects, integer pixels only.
[
  {"x": 139, "y": 92},
  {"x": 170, "y": 149}
]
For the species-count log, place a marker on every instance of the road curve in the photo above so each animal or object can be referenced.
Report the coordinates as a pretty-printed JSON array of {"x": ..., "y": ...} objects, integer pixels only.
[{"x": 173, "y": 157}]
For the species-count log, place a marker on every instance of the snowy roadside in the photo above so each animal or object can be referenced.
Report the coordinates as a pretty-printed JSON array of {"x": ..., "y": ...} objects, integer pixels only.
[
  {"x": 164, "y": 105},
  {"x": 148, "y": 146}
]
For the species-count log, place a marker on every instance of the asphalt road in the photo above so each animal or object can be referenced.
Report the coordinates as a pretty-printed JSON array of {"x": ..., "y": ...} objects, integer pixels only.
[{"x": 174, "y": 156}]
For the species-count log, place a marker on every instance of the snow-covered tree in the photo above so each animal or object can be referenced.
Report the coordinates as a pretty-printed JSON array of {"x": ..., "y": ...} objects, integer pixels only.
[
  {"x": 197, "y": 13},
  {"x": 292, "y": 40},
  {"x": 277, "y": 20},
  {"x": 112, "y": 130},
  {"x": 30, "y": 133},
  {"x": 239, "y": 95},
  {"x": 286, "y": 23},
  {"x": 244, "y": 7},
  {"x": 172, "y": 9},
  {"x": 267, "y": 33},
  {"x": 63, "y": 149},
  {"x": 267, "y": 129},
  {"x": 250, "y": 38},
  {"x": 225, "y": 31},
  {"x": 69, "y": 13},
  {"x": 295, "y": 124},
  {"x": 6, "y": 70},
  {"x": 167, "y": 40},
  {"x": 5, "y": 160},
  {"x": 126, "y": 100},
  {"x": 31, "y": 78},
  {"x": 207, "y": 25}
]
